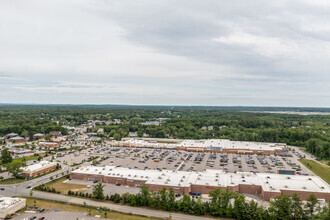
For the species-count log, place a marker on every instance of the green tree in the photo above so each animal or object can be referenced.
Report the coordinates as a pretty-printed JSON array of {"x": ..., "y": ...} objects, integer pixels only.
[
  {"x": 281, "y": 207},
  {"x": 163, "y": 198},
  {"x": 185, "y": 204},
  {"x": 220, "y": 202},
  {"x": 98, "y": 191},
  {"x": 171, "y": 204},
  {"x": 14, "y": 168},
  {"x": 6, "y": 156},
  {"x": 239, "y": 206},
  {"x": 199, "y": 207},
  {"x": 312, "y": 205},
  {"x": 117, "y": 136},
  {"x": 297, "y": 207},
  {"x": 48, "y": 136},
  {"x": 145, "y": 196}
]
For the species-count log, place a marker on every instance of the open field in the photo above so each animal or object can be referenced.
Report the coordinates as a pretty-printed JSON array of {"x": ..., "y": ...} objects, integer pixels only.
[
  {"x": 11, "y": 181},
  {"x": 320, "y": 170},
  {"x": 46, "y": 204},
  {"x": 63, "y": 188},
  {"x": 21, "y": 159}
]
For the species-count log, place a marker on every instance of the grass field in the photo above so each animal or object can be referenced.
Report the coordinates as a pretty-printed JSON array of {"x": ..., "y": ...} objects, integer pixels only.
[
  {"x": 11, "y": 181},
  {"x": 28, "y": 158},
  {"x": 319, "y": 169},
  {"x": 73, "y": 208},
  {"x": 63, "y": 188}
]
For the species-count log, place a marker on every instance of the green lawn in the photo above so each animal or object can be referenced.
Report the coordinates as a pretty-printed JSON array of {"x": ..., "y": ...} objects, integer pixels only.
[
  {"x": 319, "y": 169},
  {"x": 63, "y": 188},
  {"x": 11, "y": 181},
  {"x": 47, "y": 204},
  {"x": 28, "y": 158}
]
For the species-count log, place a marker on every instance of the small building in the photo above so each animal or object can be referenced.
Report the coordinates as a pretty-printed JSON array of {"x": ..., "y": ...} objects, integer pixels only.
[
  {"x": 48, "y": 144},
  {"x": 16, "y": 139},
  {"x": 100, "y": 131},
  {"x": 58, "y": 139},
  {"x": 39, "y": 168},
  {"x": 11, "y": 135},
  {"x": 133, "y": 134},
  {"x": 38, "y": 136},
  {"x": 19, "y": 151},
  {"x": 9, "y": 206},
  {"x": 56, "y": 133}
]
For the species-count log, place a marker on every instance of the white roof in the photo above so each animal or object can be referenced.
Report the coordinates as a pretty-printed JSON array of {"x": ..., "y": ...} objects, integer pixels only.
[
  {"x": 269, "y": 182},
  {"x": 5, "y": 202},
  {"x": 209, "y": 143},
  {"x": 16, "y": 138},
  {"x": 41, "y": 165}
]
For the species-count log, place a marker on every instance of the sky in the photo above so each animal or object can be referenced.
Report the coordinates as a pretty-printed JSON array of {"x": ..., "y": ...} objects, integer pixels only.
[{"x": 165, "y": 52}]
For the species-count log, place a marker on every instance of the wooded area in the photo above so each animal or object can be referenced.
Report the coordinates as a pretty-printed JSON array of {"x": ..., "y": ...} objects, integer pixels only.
[{"x": 235, "y": 123}]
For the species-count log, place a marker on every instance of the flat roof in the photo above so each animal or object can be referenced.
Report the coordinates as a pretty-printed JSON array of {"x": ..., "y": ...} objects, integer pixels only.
[
  {"x": 16, "y": 138},
  {"x": 6, "y": 202},
  {"x": 212, "y": 177},
  {"x": 41, "y": 165},
  {"x": 205, "y": 143}
]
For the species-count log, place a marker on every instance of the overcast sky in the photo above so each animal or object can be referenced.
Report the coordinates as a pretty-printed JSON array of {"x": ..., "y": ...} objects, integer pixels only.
[{"x": 171, "y": 52}]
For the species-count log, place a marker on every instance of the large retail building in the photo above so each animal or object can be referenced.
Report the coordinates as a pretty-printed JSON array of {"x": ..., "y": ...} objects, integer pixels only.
[
  {"x": 265, "y": 185},
  {"x": 208, "y": 145}
]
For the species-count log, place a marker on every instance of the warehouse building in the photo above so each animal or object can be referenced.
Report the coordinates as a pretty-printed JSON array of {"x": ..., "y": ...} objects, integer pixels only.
[
  {"x": 265, "y": 185},
  {"x": 9, "y": 206},
  {"x": 39, "y": 168},
  {"x": 209, "y": 145}
]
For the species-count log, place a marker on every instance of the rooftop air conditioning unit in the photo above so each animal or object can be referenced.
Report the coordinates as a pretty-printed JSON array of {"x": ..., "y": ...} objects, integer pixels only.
[
  {"x": 243, "y": 180},
  {"x": 309, "y": 178},
  {"x": 288, "y": 177}
]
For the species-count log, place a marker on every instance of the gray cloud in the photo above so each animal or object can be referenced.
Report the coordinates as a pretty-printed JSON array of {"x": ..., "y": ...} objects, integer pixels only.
[{"x": 212, "y": 52}]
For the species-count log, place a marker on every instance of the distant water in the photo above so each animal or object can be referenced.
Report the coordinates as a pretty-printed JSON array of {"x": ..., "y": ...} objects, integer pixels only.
[{"x": 291, "y": 112}]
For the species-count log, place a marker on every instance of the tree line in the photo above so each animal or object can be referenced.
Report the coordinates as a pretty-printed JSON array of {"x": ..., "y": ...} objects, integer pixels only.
[
  {"x": 309, "y": 131},
  {"x": 222, "y": 203}
]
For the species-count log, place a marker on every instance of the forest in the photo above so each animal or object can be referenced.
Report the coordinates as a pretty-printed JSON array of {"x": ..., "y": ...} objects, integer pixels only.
[{"x": 311, "y": 132}]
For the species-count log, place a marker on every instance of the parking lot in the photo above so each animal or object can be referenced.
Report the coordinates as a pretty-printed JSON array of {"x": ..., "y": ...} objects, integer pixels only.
[{"x": 146, "y": 158}]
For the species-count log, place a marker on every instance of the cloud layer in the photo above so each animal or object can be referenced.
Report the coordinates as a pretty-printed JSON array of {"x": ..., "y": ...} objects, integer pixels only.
[{"x": 187, "y": 52}]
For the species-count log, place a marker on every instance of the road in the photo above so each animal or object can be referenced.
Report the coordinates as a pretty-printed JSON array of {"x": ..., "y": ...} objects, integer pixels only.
[{"x": 58, "y": 215}]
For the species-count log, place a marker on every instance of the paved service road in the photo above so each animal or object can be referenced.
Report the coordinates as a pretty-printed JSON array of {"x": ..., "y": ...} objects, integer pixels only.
[
  {"x": 57, "y": 216},
  {"x": 120, "y": 208}
]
